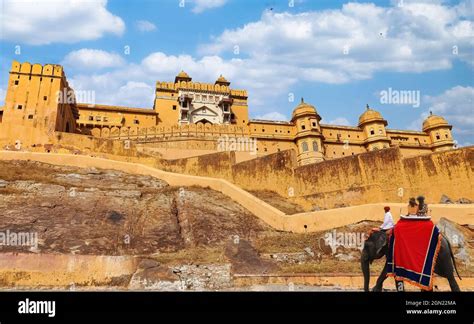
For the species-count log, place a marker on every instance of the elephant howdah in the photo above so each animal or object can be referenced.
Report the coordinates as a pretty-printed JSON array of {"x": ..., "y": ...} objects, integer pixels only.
[
  {"x": 413, "y": 250},
  {"x": 377, "y": 246}
]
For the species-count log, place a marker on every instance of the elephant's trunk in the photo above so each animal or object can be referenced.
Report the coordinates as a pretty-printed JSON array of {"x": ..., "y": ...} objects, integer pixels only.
[{"x": 365, "y": 265}]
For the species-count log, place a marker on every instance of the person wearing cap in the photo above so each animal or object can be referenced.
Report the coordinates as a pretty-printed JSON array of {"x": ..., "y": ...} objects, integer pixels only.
[{"x": 387, "y": 220}]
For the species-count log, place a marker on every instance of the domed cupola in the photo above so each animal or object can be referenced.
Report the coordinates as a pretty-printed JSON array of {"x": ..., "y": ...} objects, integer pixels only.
[
  {"x": 373, "y": 126},
  {"x": 308, "y": 139},
  {"x": 305, "y": 110},
  {"x": 439, "y": 132},
  {"x": 182, "y": 76},
  {"x": 371, "y": 115},
  {"x": 434, "y": 121},
  {"x": 222, "y": 81}
]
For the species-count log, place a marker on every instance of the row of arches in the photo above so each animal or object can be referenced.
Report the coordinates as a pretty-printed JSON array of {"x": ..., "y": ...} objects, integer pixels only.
[
  {"x": 193, "y": 86},
  {"x": 200, "y": 129}
]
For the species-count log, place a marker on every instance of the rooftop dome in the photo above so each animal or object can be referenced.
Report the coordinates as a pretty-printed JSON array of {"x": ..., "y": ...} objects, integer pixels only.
[
  {"x": 433, "y": 121},
  {"x": 222, "y": 80},
  {"x": 304, "y": 109},
  {"x": 182, "y": 76},
  {"x": 371, "y": 115}
]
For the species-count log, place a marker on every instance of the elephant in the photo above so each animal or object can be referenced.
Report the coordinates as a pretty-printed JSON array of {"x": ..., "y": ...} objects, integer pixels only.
[{"x": 376, "y": 247}]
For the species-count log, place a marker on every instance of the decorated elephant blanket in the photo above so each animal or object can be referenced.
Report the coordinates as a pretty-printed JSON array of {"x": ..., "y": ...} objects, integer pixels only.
[{"x": 413, "y": 250}]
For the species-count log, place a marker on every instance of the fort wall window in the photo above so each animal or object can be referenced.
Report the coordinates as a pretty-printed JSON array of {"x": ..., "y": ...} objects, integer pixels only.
[
  {"x": 315, "y": 146},
  {"x": 305, "y": 147}
]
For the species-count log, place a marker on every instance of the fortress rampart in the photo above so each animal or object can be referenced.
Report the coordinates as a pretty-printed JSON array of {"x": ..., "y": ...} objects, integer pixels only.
[{"x": 299, "y": 223}]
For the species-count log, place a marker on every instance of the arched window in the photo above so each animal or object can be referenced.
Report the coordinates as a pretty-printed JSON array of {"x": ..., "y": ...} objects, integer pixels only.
[
  {"x": 304, "y": 147},
  {"x": 315, "y": 146}
]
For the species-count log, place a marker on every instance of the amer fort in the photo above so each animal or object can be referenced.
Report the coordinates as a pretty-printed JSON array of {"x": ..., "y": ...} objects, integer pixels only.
[
  {"x": 204, "y": 129},
  {"x": 288, "y": 178},
  {"x": 188, "y": 117}
]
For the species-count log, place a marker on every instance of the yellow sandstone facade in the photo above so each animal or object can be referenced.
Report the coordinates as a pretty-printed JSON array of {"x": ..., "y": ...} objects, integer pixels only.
[{"x": 188, "y": 115}]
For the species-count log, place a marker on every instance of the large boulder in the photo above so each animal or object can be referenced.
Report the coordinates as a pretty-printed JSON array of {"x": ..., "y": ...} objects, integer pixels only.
[
  {"x": 445, "y": 200},
  {"x": 457, "y": 237}
]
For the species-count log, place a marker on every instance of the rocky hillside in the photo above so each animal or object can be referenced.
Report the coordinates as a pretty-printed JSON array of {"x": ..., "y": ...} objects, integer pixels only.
[
  {"x": 102, "y": 212},
  {"x": 89, "y": 211}
]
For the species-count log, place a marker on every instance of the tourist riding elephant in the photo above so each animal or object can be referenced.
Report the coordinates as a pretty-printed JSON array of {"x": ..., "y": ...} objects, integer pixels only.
[{"x": 376, "y": 247}]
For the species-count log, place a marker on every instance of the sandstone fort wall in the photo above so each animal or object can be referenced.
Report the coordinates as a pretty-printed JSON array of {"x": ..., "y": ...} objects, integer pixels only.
[
  {"x": 384, "y": 175},
  {"x": 299, "y": 223}
]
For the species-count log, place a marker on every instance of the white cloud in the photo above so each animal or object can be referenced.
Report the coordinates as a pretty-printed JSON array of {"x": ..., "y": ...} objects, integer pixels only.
[
  {"x": 57, "y": 21},
  {"x": 457, "y": 106},
  {"x": 282, "y": 49},
  {"x": 274, "y": 115},
  {"x": 352, "y": 43},
  {"x": 206, "y": 68},
  {"x": 203, "y": 5},
  {"x": 133, "y": 92},
  {"x": 341, "y": 121},
  {"x": 3, "y": 93},
  {"x": 145, "y": 26},
  {"x": 86, "y": 58},
  {"x": 159, "y": 66}
]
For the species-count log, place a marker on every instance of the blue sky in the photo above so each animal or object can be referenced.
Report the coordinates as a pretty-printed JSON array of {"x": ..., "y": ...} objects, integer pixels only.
[{"x": 338, "y": 55}]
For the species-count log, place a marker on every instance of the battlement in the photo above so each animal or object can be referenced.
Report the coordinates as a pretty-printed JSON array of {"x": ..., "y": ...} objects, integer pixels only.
[
  {"x": 50, "y": 70},
  {"x": 197, "y": 86}
]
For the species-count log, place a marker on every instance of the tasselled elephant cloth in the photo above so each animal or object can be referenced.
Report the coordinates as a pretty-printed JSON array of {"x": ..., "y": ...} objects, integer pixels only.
[{"x": 413, "y": 250}]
